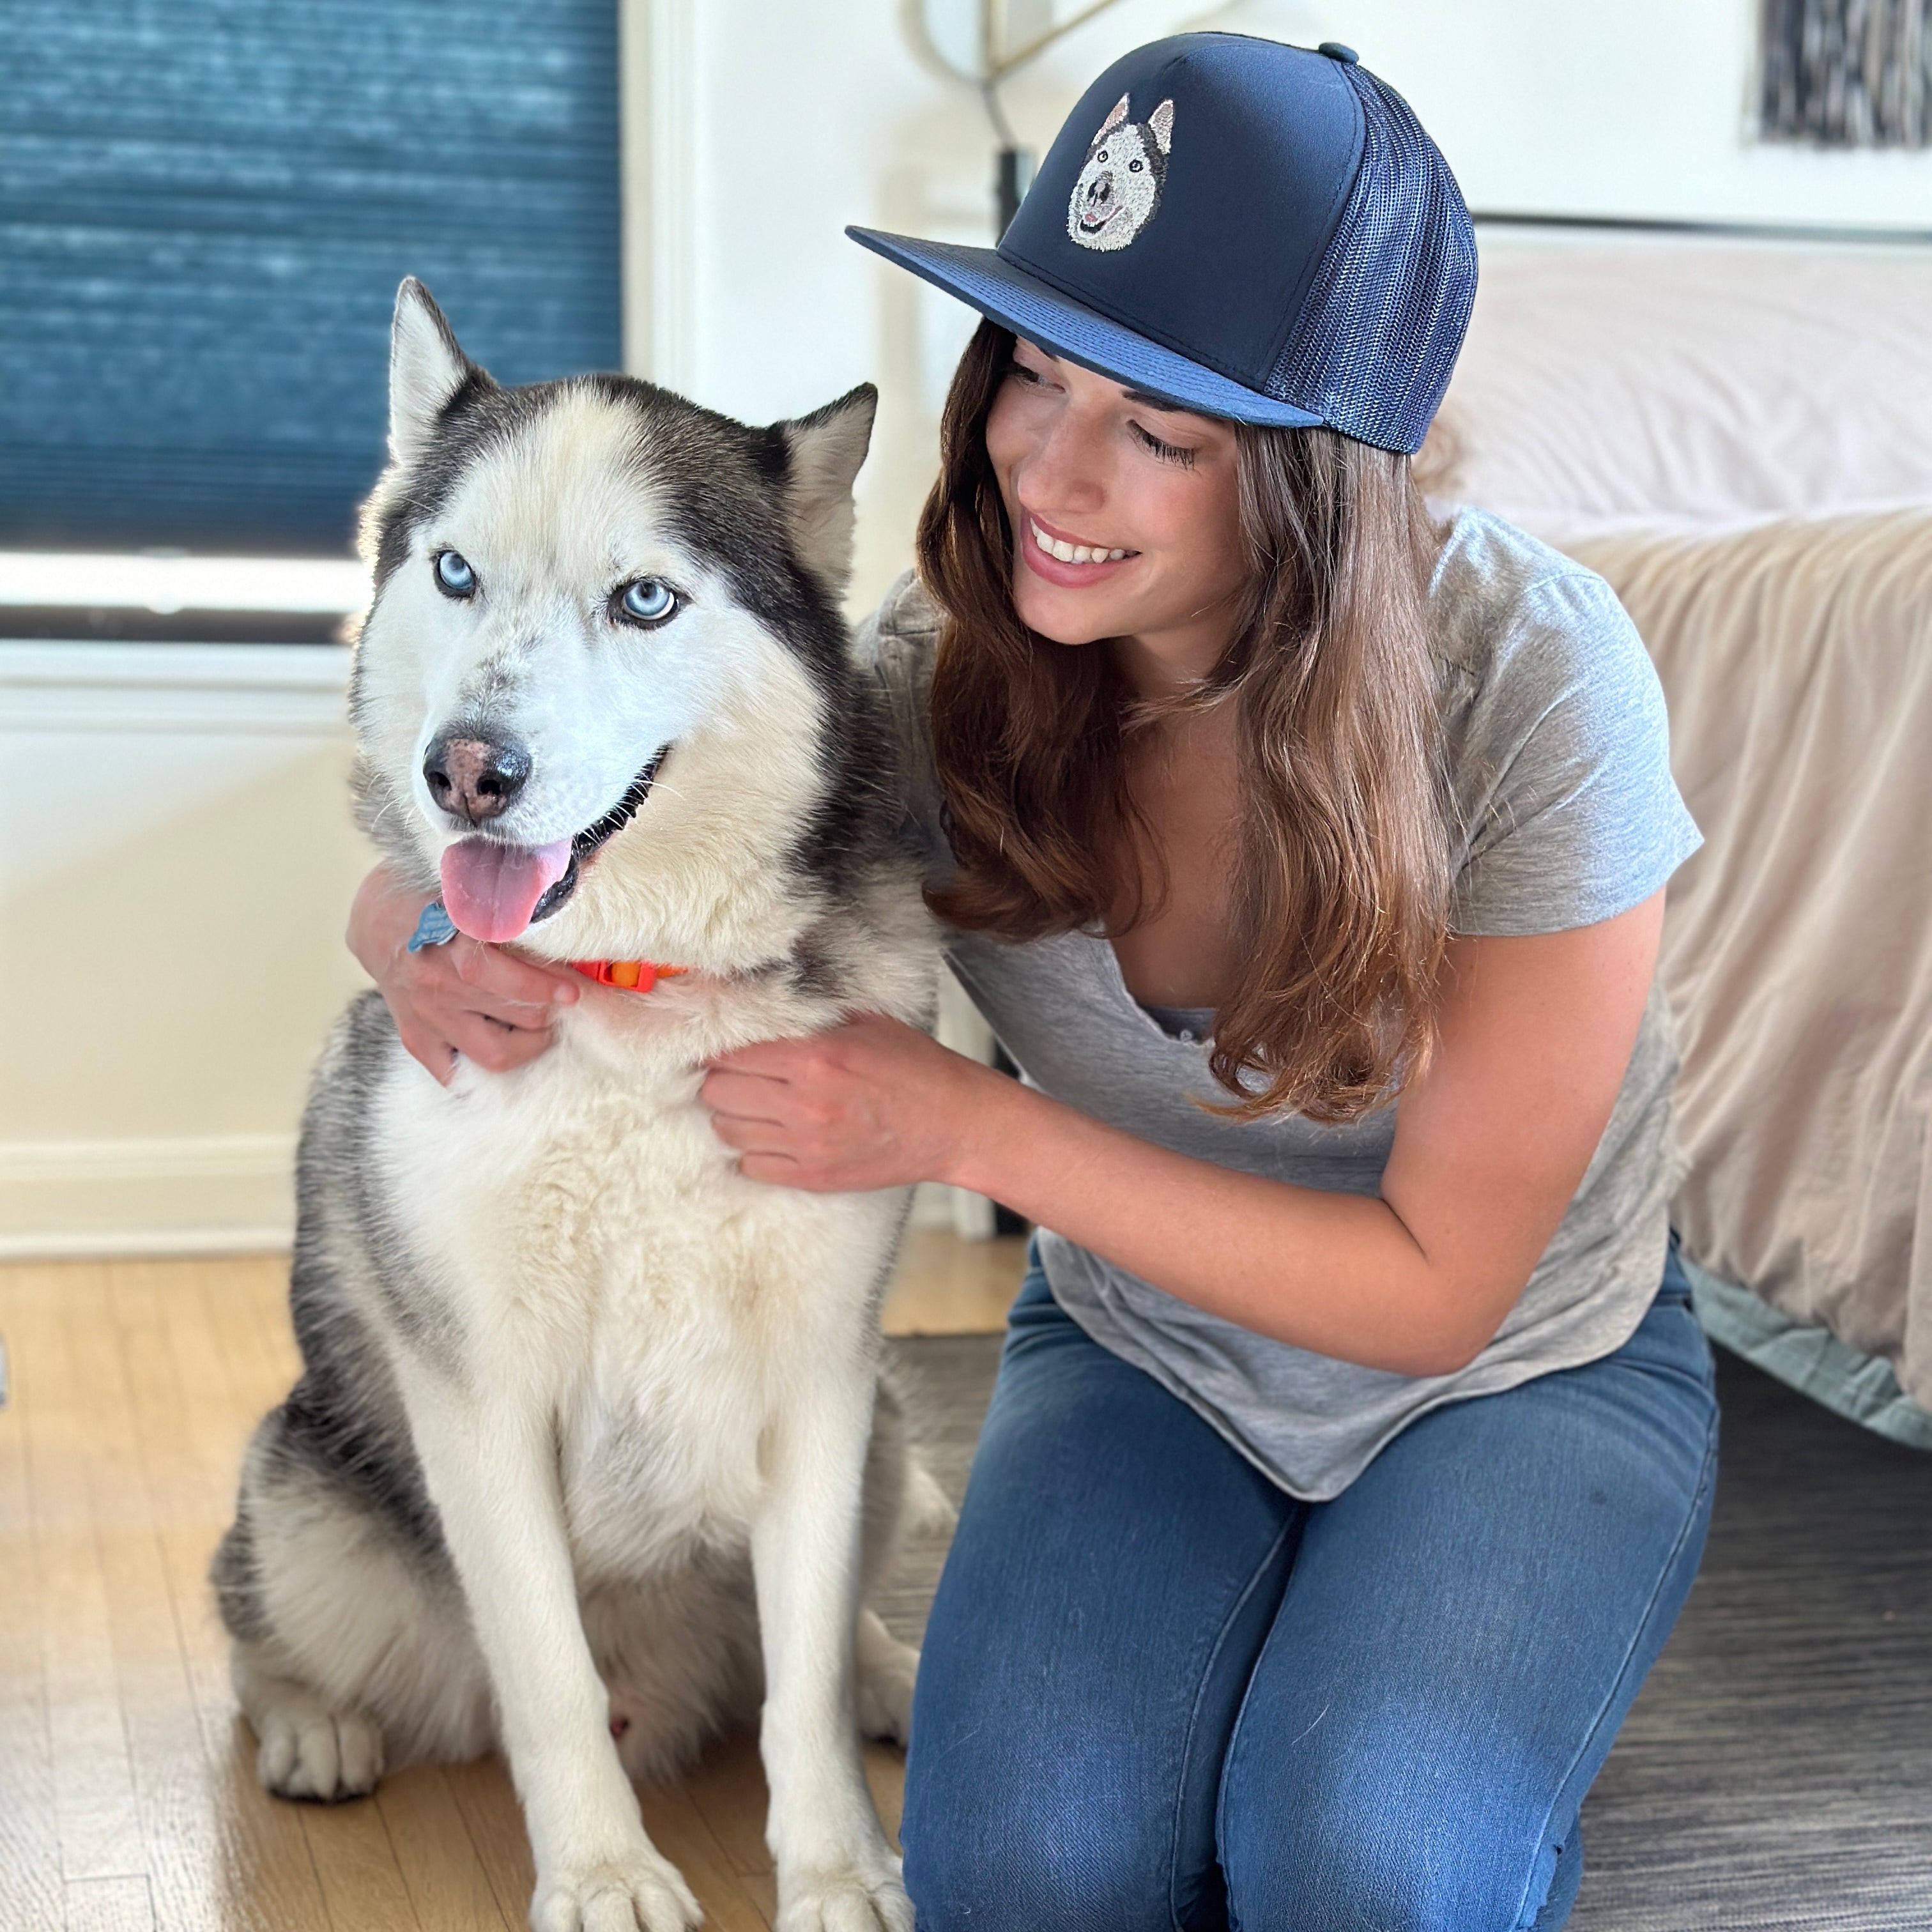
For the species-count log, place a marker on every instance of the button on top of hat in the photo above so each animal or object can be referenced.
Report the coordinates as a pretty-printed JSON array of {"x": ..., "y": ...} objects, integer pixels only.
[{"x": 1336, "y": 51}]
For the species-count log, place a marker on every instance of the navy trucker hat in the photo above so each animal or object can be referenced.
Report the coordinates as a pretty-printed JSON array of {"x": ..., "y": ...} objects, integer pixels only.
[{"x": 1242, "y": 228}]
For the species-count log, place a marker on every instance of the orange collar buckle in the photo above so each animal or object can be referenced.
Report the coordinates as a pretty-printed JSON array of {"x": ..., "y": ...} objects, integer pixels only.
[{"x": 630, "y": 975}]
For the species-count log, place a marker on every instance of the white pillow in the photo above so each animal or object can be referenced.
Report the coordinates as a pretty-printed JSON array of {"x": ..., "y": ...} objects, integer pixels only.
[{"x": 1705, "y": 380}]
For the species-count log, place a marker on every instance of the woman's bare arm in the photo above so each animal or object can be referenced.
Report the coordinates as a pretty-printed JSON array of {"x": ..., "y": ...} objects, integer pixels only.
[{"x": 1490, "y": 1144}]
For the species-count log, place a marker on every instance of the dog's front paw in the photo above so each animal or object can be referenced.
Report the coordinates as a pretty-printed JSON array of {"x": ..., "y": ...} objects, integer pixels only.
[
  {"x": 860, "y": 1898},
  {"x": 310, "y": 1751},
  {"x": 641, "y": 1893}
]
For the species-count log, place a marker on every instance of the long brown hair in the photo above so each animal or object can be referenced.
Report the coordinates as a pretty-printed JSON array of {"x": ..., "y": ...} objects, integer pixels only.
[{"x": 1341, "y": 883}]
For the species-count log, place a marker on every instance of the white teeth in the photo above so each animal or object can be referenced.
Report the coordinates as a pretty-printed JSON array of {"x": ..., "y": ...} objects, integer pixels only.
[{"x": 1069, "y": 553}]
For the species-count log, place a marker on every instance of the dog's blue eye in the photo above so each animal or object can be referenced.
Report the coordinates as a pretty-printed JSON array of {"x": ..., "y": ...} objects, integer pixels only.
[
  {"x": 453, "y": 577},
  {"x": 1133, "y": 167},
  {"x": 649, "y": 601},
  {"x": 1102, "y": 155}
]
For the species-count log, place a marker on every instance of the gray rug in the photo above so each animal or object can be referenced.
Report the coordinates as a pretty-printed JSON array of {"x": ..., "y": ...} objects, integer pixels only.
[{"x": 1775, "y": 1775}]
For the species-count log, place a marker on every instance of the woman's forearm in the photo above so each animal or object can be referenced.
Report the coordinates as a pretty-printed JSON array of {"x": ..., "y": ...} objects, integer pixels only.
[{"x": 1337, "y": 1274}]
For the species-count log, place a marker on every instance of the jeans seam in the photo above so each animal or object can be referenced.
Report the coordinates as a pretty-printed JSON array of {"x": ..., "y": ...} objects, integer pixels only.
[
  {"x": 1228, "y": 1763},
  {"x": 1704, "y": 1481},
  {"x": 1194, "y": 1719}
]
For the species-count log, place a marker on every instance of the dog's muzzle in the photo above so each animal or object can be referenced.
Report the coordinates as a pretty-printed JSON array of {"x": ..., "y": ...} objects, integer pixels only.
[
  {"x": 494, "y": 890},
  {"x": 607, "y": 827}
]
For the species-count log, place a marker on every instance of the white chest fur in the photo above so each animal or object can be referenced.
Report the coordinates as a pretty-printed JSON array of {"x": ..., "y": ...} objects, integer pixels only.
[{"x": 586, "y": 1243}]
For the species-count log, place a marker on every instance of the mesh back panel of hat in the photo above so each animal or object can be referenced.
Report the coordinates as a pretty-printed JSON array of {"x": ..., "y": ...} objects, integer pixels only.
[{"x": 1372, "y": 352}]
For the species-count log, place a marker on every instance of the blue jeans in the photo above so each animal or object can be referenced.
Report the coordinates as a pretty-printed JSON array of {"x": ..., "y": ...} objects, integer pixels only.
[{"x": 1158, "y": 1692}]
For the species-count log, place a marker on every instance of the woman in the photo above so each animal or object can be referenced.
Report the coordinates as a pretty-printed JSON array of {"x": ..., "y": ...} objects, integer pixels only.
[{"x": 1348, "y": 1465}]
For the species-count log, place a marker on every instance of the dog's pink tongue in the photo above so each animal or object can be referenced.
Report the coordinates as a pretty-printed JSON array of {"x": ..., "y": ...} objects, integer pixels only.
[{"x": 490, "y": 890}]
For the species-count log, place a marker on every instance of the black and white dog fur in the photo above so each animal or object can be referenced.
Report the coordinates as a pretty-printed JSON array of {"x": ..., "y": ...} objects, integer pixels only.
[{"x": 588, "y": 1455}]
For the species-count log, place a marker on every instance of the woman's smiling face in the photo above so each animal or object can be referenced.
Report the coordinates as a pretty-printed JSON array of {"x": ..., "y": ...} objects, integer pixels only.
[{"x": 1124, "y": 512}]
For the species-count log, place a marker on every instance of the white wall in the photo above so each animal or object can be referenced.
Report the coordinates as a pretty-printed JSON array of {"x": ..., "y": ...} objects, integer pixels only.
[{"x": 176, "y": 864}]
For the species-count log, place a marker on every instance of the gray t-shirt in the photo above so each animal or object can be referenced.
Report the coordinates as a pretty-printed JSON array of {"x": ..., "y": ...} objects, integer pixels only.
[{"x": 1558, "y": 757}]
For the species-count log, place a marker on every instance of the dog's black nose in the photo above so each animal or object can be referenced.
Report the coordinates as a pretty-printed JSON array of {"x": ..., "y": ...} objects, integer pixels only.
[{"x": 473, "y": 779}]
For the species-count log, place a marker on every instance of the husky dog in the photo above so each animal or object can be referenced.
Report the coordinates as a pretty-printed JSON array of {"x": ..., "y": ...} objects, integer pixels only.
[
  {"x": 588, "y": 1454},
  {"x": 1120, "y": 182}
]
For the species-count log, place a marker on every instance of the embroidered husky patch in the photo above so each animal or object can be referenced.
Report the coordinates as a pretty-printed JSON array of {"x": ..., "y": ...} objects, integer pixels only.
[{"x": 1119, "y": 184}]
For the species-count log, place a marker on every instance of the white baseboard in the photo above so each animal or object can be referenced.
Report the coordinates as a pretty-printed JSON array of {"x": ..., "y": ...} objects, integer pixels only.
[
  {"x": 218, "y": 1194},
  {"x": 211, "y": 1194},
  {"x": 143, "y": 1243}
]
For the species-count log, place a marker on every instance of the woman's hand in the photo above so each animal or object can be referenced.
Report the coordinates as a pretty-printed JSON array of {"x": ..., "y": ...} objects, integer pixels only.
[
  {"x": 873, "y": 1103},
  {"x": 462, "y": 997}
]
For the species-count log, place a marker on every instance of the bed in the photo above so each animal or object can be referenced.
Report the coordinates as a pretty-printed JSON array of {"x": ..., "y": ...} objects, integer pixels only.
[{"x": 1738, "y": 434}]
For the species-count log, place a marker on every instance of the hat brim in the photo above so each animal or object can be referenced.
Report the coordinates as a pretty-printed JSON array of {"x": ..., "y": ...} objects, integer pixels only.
[{"x": 983, "y": 280}]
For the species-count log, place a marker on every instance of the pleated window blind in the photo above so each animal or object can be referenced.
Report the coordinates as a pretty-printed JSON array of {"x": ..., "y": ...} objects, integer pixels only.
[{"x": 206, "y": 206}]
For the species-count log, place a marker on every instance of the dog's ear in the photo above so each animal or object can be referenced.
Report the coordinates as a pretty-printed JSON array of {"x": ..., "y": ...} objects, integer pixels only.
[
  {"x": 1162, "y": 122},
  {"x": 427, "y": 367},
  {"x": 1112, "y": 121},
  {"x": 823, "y": 452}
]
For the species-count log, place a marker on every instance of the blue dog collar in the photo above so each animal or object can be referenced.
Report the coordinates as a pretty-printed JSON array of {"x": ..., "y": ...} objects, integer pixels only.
[{"x": 434, "y": 928}]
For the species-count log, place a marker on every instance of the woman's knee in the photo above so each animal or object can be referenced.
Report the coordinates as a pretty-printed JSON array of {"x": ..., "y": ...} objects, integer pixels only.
[
  {"x": 1333, "y": 1854},
  {"x": 1000, "y": 1849}
]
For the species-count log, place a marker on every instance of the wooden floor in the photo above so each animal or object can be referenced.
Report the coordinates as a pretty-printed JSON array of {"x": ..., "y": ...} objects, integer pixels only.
[{"x": 127, "y": 1794}]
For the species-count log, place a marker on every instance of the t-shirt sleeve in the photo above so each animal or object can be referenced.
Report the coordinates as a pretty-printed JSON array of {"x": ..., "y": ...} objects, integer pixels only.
[{"x": 1563, "y": 774}]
